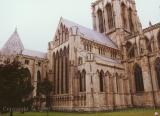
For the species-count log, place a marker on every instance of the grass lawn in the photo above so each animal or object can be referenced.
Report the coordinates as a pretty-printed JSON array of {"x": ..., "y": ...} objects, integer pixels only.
[{"x": 120, "y": 113}]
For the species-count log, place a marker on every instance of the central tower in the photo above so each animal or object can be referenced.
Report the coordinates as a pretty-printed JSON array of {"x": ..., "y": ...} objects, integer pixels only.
[{"x": 114, "y": 17}]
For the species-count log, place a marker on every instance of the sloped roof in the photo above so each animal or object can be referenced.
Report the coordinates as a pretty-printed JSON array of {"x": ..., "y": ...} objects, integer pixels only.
[
  {"x": 13, "y": 46},
  {"x": 90, "y": 34},
  {"x": 107, "y": 59},
  {"x": 34, "y": 54}
]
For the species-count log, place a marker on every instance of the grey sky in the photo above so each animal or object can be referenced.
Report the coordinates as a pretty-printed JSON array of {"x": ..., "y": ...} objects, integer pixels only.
[{"x": 37, "y": 20}]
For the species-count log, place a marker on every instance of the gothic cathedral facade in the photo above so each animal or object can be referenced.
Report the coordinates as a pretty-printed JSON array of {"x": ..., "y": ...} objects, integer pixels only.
[{"x": 114, "y": 66}]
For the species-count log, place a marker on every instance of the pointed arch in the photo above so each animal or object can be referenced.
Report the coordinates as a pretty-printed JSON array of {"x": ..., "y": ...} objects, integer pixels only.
[
  {"x": 61, "y": 33},
  {"x": 110, "y": 16},
  {"x": 157, "y": 69},
  {"x": 67, "y": 69},
  {"x": 64, "y": 68},
  {"x": 123, "y": 15},
  {"x": 130, "y": 18},
  {"x": 139, "y": 85},
  {"x": 100, "y": 20},
  {"x": 101, "y": 81},
  {"x": 66, "y": 34},
  {"x": 82, "y": 79},
  {"x": 27, "y": 71},
  {"x": 108, "y": 74},
  {"x": 58, "y": 36},
  {"x": 61, "y": 70},
  {"x": 38, "y": 80}
]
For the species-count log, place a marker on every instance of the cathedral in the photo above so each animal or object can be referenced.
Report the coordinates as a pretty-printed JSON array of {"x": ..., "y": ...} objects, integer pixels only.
[{"x": 115, "y": 65}]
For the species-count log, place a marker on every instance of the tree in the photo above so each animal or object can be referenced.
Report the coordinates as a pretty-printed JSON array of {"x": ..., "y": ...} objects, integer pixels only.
[
  {"x": 45, "y": 88},
  {"x": 15, "y": 85}
]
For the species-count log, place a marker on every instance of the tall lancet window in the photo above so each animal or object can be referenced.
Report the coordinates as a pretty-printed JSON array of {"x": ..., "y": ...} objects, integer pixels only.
[
  {"x": 100, "y": 19},
  {"x": 138, "y": 78},
  {"x": 101, "y": 81},
  {"x": 157, "y": 67},
  {"x": 38, "y": 76},
  {"x": 38, "y": 80},
  {"x": 130, "y": 18},
  {"x": 83, "y": 81},
  {"x": 110, "y": 16},
  {"x": 123, "y": 15}
]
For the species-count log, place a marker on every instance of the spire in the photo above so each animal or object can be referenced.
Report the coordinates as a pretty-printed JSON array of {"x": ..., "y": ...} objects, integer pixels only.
[
  {"x": 15, "y": 31},
  {"x": 14, "y": 44},
  {"x": 150, "y": 23}
]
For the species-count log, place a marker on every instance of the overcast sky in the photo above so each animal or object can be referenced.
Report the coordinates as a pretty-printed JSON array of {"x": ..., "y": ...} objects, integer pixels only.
[{"x": 37, "y": 20}]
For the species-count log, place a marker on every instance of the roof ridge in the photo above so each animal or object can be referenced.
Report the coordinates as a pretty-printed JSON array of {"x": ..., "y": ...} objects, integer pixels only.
[
  {"x": 36, "y": 51},
  {"x": 70, "y": 23},
  {"x": 77, "y": 24}
]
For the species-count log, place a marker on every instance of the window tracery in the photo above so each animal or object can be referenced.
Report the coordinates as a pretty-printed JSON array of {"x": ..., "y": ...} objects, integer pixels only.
[
  {"x": 100, "y": 20},
  {"x": 139, "y": 85},
  {"x": 110, "y": 16}
]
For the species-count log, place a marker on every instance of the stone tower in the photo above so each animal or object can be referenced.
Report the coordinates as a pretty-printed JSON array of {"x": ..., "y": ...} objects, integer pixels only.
[{"x": 115, "y": 18}]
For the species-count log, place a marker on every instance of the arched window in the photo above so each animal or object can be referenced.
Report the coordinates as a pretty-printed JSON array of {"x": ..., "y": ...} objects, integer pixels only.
[
  {"x": 138, "y": 78},
  {"x": 123, "y": 15},
  {"x": 148, "y": 44},
  {"x": 61, "y": 70},
  {"x": 66, "y": 34},
  {"x": 130, "y": 50},
  {"x": 158, "y": 39},
  {"x": 38, "y": 80},
  {"x": 54, "y": 71},
  {"x": 58, "y": 37},
  {"x": 61, "y": 33},
  {"x": 82, "y": 81},
  {"x": 67, "y": 69},
  {"x": 28, "y": 74},
  {"x": 38, "y": 76},
  {"x": 100, "y": 19},
  {"x": 110, "y": 16},
  {"x": 57, "y": 72},
  {"x": 130, "y": 20},
  {"x": 157, "y": 67},
  {"x": 101, "y": 81}
]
